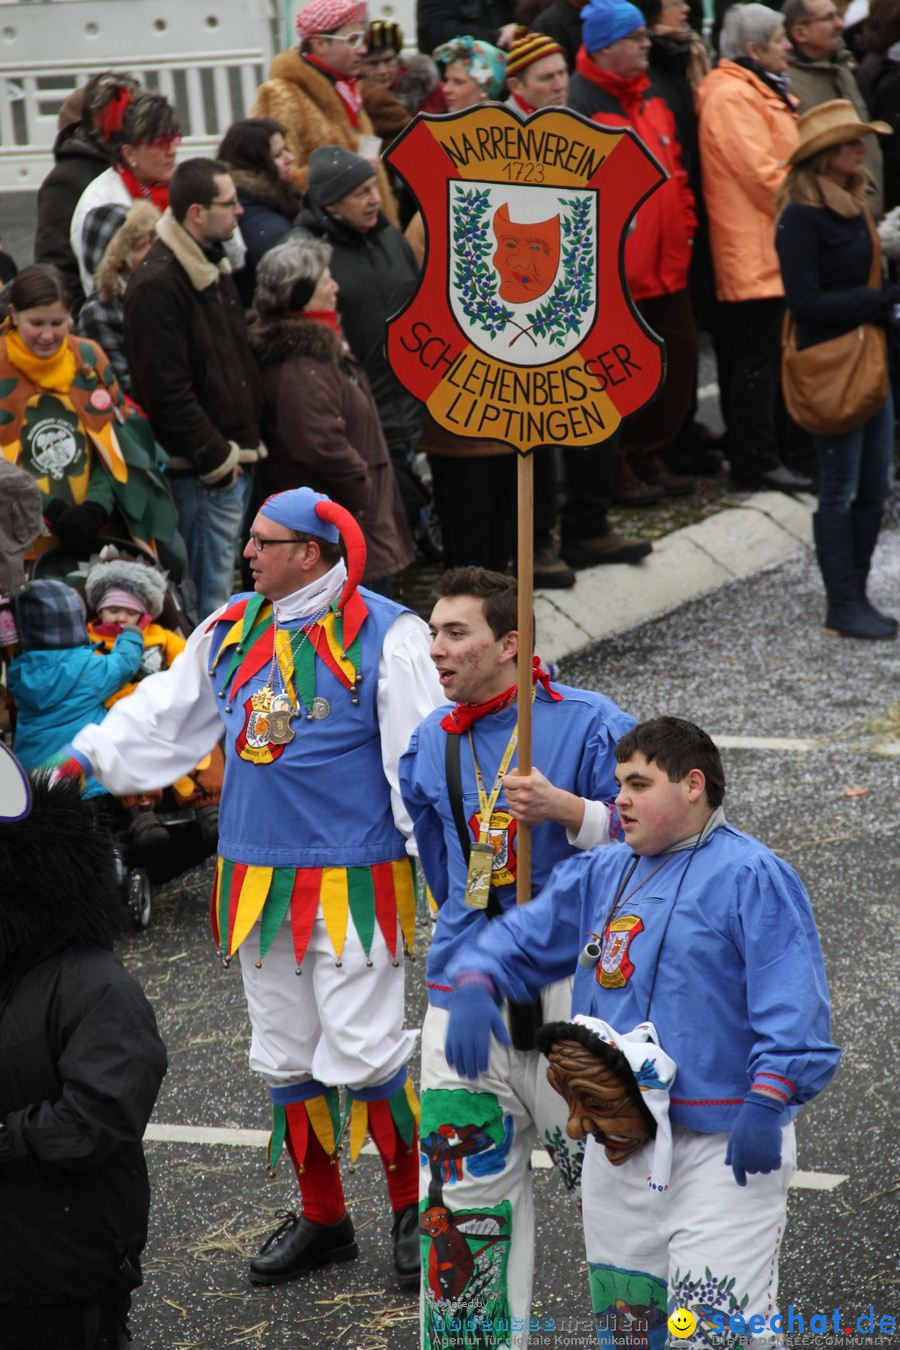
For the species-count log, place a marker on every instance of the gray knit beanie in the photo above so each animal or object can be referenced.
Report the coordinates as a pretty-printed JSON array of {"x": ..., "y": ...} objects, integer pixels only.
[{"x": 335, "y": 171}]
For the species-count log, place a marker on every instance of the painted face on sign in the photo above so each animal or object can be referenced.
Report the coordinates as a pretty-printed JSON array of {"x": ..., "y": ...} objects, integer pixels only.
[{"x": 527, "y": 256}]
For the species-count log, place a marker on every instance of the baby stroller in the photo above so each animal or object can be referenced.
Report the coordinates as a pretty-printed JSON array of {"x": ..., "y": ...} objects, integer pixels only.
[{"x": 187, "y": 819}]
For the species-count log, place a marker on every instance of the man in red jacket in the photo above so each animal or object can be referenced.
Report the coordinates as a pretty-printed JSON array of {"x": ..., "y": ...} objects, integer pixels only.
[{"x": 611, "y": 86}]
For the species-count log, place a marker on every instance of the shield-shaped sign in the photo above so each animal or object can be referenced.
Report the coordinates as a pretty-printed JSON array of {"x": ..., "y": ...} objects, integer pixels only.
[{"x": 522, "y": 329}]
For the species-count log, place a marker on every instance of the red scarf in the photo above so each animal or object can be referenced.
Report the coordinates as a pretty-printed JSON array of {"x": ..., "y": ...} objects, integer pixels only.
[
  {"x": 526, "y": 107},
  {"x": 629, "y": 93},
  {"x": 345, "y": 87},
  {"x": 330, "y": 317},
  {"x": 465, "y": 715},
  {"x": 157, "y": 193}
]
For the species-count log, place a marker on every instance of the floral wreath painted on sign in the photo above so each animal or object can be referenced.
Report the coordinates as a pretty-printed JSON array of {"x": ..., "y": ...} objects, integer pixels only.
[{"x": 529, "y": 258}]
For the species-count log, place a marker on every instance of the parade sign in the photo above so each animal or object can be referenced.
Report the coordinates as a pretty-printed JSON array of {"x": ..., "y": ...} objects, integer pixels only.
[{"x": 522, "y": 329}]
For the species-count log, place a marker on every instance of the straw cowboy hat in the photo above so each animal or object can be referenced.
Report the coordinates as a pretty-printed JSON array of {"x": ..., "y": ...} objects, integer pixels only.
[{"x": 832, "y": 123}]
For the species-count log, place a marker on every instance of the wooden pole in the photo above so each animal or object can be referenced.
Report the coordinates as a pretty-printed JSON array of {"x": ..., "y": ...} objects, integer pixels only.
[{"x": 525, "y": 570}]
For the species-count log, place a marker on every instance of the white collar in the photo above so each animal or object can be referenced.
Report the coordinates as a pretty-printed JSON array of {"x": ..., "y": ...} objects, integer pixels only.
[
  {"x": 714, "y": 821},
  {"x": 313, "y": 598}
]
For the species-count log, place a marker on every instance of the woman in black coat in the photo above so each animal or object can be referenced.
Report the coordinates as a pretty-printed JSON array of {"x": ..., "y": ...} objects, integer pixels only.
[
  {"x": 825, "y": 242},
  {"x": 260, "y": 165},
  {"x": 81, "y": 1063}
]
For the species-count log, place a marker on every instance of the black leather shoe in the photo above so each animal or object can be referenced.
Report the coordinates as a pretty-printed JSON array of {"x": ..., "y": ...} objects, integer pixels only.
[
  {"x": 300, "y": 1245},
  {"x": 781, "y": 479},
  {"x": 405, "y": 1237}
]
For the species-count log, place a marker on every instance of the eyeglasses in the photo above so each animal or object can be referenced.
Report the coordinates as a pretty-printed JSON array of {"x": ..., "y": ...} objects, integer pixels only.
[
  {"x": 824, "y": 18},
  {"x": 229, "y": 205},
  {"x": 353, "y": 40},
  {"x": 261, "y": 544},
  {"x": 163, "y": 142}
]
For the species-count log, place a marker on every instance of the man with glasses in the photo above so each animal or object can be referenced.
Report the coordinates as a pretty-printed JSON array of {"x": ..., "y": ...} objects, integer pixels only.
[
  {"x": 313, "y": 91},
  {"x": 194, "y": 373},
  {"x": 318, "y": 684},
  {"x": 821, "y": 68}
]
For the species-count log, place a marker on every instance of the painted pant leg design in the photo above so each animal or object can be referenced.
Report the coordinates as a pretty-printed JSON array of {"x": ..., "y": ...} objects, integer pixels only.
[{"x": 477, "y": 1219}]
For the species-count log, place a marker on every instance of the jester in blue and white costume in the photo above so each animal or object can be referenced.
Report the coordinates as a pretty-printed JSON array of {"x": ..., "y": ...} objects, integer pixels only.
[
  {"x": 318, "y": 684},
  {"x": 476, "y": 1184},
  {"x": 703, "y": 933}
]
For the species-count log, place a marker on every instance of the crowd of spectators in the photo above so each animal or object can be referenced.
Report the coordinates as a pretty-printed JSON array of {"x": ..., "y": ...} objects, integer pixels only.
[{"x": 161, "y": 264}]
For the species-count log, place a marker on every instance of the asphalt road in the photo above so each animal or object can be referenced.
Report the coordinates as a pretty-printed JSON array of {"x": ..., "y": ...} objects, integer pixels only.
[{"x": 748, "y": 662}]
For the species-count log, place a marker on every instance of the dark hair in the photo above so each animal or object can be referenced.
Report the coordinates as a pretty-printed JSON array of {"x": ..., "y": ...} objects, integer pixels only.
[
  {"x": 651, "y": 10},
  {"x": 497, "y": 593},
  {"x": 38, "y": 284},
  {"x": 677, "y": 747},
  {"x": 146, "y": 117},
  {"x": 194, "y": 184},
  {"x": 100, "y": 90},
  {"x": 245, "y": 145},
  {"x": 882, "y": 27},
  {"x": 331, "y": 552}
]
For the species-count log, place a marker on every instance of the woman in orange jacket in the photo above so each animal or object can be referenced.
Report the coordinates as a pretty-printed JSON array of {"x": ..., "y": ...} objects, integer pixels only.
[{"x": 748, "y": 128}]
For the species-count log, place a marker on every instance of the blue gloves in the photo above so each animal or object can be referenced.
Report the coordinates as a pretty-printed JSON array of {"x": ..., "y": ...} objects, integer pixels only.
[
  {"x": 474, "y": 1016},
  {"x": 755, "y": 1141}
]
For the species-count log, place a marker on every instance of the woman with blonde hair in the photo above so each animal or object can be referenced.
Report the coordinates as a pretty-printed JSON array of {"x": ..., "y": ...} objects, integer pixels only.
[
  {"x": 119, "y": 240},
  {"x": 825, "y": 242}
]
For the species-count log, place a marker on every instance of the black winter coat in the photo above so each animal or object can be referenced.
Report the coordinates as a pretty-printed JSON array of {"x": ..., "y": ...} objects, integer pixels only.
[
  {"x": 441, "y": 20},
  {"x": 81, "y": 1062},
  {"x": 878, "y": 77},
  {"x": 377, "y": 274},
  {"x": 79, "y": 160}
]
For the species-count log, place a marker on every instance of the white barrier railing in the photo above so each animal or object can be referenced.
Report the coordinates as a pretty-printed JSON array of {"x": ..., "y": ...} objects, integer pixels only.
[{"x": 206, "y": 56}]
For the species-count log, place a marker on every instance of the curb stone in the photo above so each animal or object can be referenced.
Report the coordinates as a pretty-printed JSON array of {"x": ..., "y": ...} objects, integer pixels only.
[{"x": 766, "y": 529}]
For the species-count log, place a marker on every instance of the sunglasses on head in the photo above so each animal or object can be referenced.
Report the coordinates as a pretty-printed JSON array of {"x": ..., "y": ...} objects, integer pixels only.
[{"x": 163, "y": 142}]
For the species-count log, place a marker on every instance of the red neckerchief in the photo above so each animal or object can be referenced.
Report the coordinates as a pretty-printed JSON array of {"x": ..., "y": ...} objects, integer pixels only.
[
  {"x": 157, "y": 193},
  {"x": 345, "y": 87},
  {"x": 526, "y": 107},
  {"x": 630, "y": 93},
  {"x": 464, "y": 715}
]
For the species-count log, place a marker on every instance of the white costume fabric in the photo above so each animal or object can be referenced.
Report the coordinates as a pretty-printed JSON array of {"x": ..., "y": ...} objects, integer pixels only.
[
  {"x": 702, "y": 1242},
  {"x": 518, "y": 1108}
]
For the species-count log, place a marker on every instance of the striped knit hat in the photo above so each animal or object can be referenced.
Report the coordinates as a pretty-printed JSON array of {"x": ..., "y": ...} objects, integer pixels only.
[{"x": 527, "y": 49}]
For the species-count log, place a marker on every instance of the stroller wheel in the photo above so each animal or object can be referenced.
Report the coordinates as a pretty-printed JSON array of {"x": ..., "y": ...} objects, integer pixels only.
[{"x": 140, "y": 898}]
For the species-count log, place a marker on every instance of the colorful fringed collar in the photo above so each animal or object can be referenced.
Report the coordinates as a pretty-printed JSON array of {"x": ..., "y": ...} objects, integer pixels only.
[{"x": 250, "y": 644}]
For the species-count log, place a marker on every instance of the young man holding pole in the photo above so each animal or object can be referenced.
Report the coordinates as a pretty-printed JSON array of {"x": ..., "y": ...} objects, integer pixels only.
[{"x": 468, "y": 807}]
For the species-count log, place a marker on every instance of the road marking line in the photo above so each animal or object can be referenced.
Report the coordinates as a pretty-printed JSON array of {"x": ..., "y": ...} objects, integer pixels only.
[
  {"x": 540, "y": 1159},
  {"x": 792, "y": 743}
]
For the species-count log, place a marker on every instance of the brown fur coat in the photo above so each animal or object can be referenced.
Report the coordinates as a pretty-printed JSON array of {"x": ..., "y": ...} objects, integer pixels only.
[{"x": 310, "y": 109}]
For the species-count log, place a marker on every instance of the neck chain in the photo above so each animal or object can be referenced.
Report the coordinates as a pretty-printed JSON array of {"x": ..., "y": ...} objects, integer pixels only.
[{"x": 282, "y": 698}]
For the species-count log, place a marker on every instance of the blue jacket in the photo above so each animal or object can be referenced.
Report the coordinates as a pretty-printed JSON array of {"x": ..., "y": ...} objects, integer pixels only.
[
  {"x": 717, "y": 947},
  {"x": 573, "y": 744},
  {"x": 59, "y": 691}
]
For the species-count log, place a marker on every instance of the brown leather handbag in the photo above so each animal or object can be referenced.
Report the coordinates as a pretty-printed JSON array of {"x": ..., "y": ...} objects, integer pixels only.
[{"x": 836, "y": 386}]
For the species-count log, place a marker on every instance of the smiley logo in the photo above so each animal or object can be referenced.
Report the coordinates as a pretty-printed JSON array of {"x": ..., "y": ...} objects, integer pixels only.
[{"x": 682, "y": 1323}]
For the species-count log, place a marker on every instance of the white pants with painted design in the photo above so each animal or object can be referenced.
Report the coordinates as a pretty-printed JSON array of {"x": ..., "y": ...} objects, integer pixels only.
[
  {"x": 518, "y": 1081},
  {"x": 705, "y": 1244}
]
